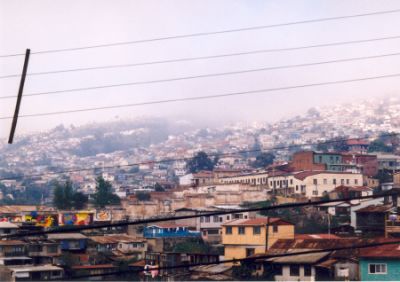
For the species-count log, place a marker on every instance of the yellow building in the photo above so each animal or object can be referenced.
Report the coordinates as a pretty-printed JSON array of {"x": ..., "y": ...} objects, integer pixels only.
[{"x": 245, "y": 237}]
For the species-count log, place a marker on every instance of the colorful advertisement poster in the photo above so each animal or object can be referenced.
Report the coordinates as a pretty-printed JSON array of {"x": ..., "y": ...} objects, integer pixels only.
[
  {"x": 45, "y": 220},
  {"x": 76, "y": 218},
  {"x": 102, "y": 215}
]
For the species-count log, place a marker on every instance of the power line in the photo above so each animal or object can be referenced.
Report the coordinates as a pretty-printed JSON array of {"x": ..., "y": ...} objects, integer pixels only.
[
  {"x": 203, "y": 76},
  {"x": 70, "y": 229},
  {"x": 254, "y": 259},
  {"x": 209, "y": 154},
  {"x": 203, "y": 57},
  {"x": 204, "y": 97},
  {"x": 208, "y": 33}
]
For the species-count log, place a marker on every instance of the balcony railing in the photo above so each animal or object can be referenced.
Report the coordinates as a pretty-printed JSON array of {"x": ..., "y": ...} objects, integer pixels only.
[
  {"x": 15, "y": 254},
  {"x": 150, "y": 234}
]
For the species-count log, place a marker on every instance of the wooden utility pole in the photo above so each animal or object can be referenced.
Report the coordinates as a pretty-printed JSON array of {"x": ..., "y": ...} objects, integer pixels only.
[
  {"x": 267, "y": 234},
  {"x": 19, "y": 97}
]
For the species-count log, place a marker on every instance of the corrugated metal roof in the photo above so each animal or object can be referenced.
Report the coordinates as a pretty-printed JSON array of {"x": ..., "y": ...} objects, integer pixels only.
[
  {"x": 376, "y": 208},
  {"x": 63, "y": 236},
  {"x": 300, "y": 259},
  {"x": 11, "y": 242},
  {"x": 384, "y": 251},
  {"x": 113, "y": 239}
]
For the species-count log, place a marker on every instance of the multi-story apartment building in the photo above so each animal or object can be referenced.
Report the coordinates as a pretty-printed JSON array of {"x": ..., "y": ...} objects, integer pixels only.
[
  {"x": 313, "y": 183},
  {"x": 245, "y": 237},
  {"x": 257, "y": 178}
]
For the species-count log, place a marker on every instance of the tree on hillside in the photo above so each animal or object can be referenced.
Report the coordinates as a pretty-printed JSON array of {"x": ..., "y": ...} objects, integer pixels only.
[
  {"x": 104, "y": 195},
  {"x": 200, "y": 162},
  {"x": 66, "y": 198},
  {"x": 158, "y": 187},
  {"x": 263, "y": 160},
  {"x": 379, "y": 146},
  {"x": 63, "y": 196},
  {"x": 337, "y": 144},
  {"x": 79, "y": 200},
  {"x": 143, "y": 196}
]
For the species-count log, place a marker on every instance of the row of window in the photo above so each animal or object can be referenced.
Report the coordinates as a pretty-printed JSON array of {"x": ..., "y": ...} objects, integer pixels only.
[
  {"x": 253, "y": 181},
  {"x": 334, "y": 181},
  {"x": 216, "y": 218},
  {"x": 242, "y": 230},
  {"x": 286, "y": 183}
]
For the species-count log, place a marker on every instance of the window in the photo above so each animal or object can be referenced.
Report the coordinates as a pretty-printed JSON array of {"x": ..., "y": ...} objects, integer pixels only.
[
  {"x": 325, "y": 181},
  {"x": 315, "y": 181},
  {"x": 377, "y": 268},
  {"x": 347, "y": 181},
  {"x": 250, "y": 252},
  {"x": 213, "y": 232},
  {"x": 228, "y": 230},
  {"x": 277, "y": 269},
  {"x": 342, "y": 181},
  {"x": 294, "y": 270},
  {"x": 256, "y": 230},
  {"x": 334, "y": 181},
  {"x": 241, "y": 230},
  {"x": 228, "y": 217},
  {"x": 204, "y": 233},
  {"x": 35, "y": 248},
  {"x": 215, "y": 218},
  {"x": 202, "y": 219},
  {"x": 356, "y": 181},
  {"x": 275, "y": 228},
  {"x": 291, "y": 181},
  {"x": 207, "y": 219},
  {"x": 220, "y": 219},
  {"x": 52, "y": 249},
  {"x": 307, "y": 270}
]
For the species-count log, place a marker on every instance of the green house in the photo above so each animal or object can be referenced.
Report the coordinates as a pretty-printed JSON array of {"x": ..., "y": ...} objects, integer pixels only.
[{"x": 380, "y": 263}]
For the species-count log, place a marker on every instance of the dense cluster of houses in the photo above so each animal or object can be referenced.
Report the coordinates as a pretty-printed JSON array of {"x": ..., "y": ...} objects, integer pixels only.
[{"x": 234, "y": 234}]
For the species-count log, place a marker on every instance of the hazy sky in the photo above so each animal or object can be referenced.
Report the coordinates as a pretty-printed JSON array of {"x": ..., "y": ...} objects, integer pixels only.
[{"x": 55, "y": 24}]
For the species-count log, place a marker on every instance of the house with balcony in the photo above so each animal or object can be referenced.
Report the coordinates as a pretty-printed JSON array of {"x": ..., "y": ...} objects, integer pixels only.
[
  {"x": 372, "y": 219},
  {"x": 169, "y": 230},
  {"x": 171, "y": 259},
  {"x": 72, "y": 242},
  {"x": 44, "y": 251},
  {"x": 14, "y": 252},
  {"x": 118, "y": 247},
  {"x": 8, "y": 228},
  {"x": 31, "y": 273}
]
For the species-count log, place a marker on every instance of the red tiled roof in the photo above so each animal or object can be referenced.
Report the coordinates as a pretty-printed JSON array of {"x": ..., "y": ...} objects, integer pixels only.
[
  {"x": 357, "y": 142},
  {"x": 304, "y": 174},
  {"x": 203, "y": 174},
  {"x": 343, "y": 188}
]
